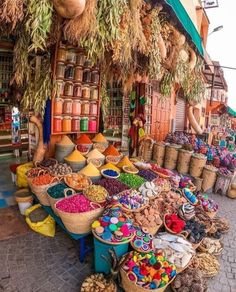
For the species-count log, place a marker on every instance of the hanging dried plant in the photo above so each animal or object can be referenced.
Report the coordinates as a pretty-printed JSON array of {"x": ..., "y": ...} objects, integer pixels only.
[
  {"x": 55, "y": 31},
  {"x": 20, "y": 58},
  {"x": 11, "y": 12},
  {"x": 38, "y": 24},
  {"x": 166, "y": 84},
  {"x": 84, "y": 25},
  {"x": 154, "y": 51},
  {"x": 137, "y": 36},
  {"x": 40, "y": 84}
]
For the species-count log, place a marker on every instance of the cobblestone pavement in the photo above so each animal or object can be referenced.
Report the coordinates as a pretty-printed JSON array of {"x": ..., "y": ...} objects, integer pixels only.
[{"x": 34, "y": 263}]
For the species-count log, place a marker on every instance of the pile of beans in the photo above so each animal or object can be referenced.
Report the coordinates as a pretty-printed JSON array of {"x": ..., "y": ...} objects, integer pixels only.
[
  {"x": 75, "y": 204},
  {"x": 147, "y": 174},
  {"x": 131, "y": 180},
  {"x": 60, "y": 169},
  {"x": 112, "y": 185}
]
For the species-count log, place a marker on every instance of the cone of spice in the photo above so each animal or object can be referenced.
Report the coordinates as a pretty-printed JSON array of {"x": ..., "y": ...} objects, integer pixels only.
[
  {"x": 66, "y": 141},
  {"x": 111, "y": 150},
  {"x": 95, "y": 154},
  {"x": 75, "y": 156},
  {"x": 84, "y": 139},
  {"x": 109, "y": 166},
  {"x": 99, "y": 138},
  {"x": 90, "y": 170},
  {"x": 124, "y": 162}
]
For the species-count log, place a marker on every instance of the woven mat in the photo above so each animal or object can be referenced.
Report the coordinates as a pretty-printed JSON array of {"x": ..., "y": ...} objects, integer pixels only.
[{"x": 12, "y": 223}]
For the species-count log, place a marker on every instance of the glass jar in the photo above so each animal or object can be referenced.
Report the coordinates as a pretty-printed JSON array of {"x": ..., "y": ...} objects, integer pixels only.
[
  {"x": 77, "y": 90},
  {"x": 71, "y": 56},
  {"x": 60, "y": 84},
  {"x": 86, "y": 92},
  {"x": 93, "y": 109},
  {"x": 95, "y": 77},
  {"x": 58, "y": 106},
  {"x": 76, "y": 107},
  {"x": 60, "y": 70},
  {"x": 67, "y": 106},
  {"x": 85, "y": 108},
  {"x": 92, "y": 125},
  {"x": 84, "y": 124},
  {"x": 94, "y": 93},
  {"x": 66, "y": 124},
  {"x": 69, "y": 71},
  {"x": 80, "y": 59},
  {"x": 87, "y": 76},
  {"x": 88, "y": 63},
  {"x": 75, "y": 124},
  {"x": 69, "y": 88},
  {"x": 57, "y": 124},
  {"x": 61, "y": 54},
  {"x": 78, "y": 74}
]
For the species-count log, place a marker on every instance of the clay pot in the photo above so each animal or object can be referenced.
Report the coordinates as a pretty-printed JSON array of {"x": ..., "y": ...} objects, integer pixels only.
[{"x": 69, "y": 8}]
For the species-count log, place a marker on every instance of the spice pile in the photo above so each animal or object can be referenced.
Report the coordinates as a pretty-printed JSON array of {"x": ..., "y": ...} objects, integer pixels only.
[
  {"x": 113, "y": 186},
  {"x": 96, "y": 193},
  {"x": 131, "y": 180}
]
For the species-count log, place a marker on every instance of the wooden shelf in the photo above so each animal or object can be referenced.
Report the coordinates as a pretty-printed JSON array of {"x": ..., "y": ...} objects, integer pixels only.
[{"x": 67, "y": 133}]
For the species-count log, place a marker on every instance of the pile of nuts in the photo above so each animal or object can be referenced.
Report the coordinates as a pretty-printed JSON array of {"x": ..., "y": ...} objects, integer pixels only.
[
  {"x": 97, "y": 283},
  {"x": 60, "y": 169}
]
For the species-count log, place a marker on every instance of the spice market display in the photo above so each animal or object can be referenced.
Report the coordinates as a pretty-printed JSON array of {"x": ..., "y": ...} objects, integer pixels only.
[{"x": 145, "y": 203}]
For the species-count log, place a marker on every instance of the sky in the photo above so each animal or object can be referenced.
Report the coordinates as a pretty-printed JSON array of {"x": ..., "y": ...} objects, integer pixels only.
[{"x": 221, "y": 45}]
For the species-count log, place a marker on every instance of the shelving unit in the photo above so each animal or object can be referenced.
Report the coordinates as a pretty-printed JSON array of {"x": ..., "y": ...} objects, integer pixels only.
[{"x": 76, "y": 104}]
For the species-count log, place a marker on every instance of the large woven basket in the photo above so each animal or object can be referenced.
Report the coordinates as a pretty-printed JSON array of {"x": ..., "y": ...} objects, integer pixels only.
[
  {"x": 41, "y": 191},
  {"x": 79, "y": 223},
  {"x": 158, "y": 154},
  {"x": 196, "y": 165},
  {"x": 184, "y": 161},
  {"x": 171, "y": 156},
  {"x": 209, "y": 176},
  {"x": 197, "y": 181},
  {"x": 145, "y": 149}
]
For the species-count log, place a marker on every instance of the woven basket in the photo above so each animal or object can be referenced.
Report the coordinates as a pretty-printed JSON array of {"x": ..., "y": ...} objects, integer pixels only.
[
  {"x": 171, "y": 156},
  {"x": 38, "y": 164},
  {"x": 180, "y": 270},
  {"x": 39, "y": 171},
  {"x": 145, "y": 149},
  {"x": 198, "y": 183},
  {"x": 23, "y": 196},
  {"x": 184, "y": 161},
  {"x": 209, "y": 176},
  {"x": 158, "y": 154},
  {"x": 78, "y": 189},
  {"x": 130, "y": 286},
  {"x": 201, "y": 248},
  {"x": 79, "y": 223},
  {"x": 231, "y": 193},
  {"x": 196, "y": 165},
  {"x": 53, "y": 201},
  {"x": 41, "y": 191},
  {"x": 208, "y": 274},
  {"x": 183, "y": 233}
]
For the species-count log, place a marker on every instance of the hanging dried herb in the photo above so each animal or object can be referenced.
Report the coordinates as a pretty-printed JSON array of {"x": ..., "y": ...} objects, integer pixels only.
[
  {"x": 166, "y": 84},
  {"x": 40, "y": 85},
  {"x": 21, "y": 58},
  {"x": 154, "y": 52},
  {"x": 38, "y": 24},
  {"x": 11, "y": 12},
  {"x": 84, "y": 25},
  {"x": 55, "y": 31}
]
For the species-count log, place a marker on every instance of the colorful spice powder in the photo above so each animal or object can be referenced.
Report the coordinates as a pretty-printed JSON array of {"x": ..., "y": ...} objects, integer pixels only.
[
  {"x": 95, "y": 154},
  {"x": 74, "y": 204},
  {"x": 124, "y": 162},
  {"x": 66, "y": 141},
  {"x": 84, "y": 139},
  {"x": 42, "y": 180},
  {"x": 131, "y": 180},
  {"x": 90, "y": 170},
  {"x": 111, "y": 150},
  {"x": 57, "y": 191},
  {"x": 99, "y": 138},
  {"x": 75, "y": 156},
  {"x": 110, "y": 166},
  {"x": 113, "y": 186}
]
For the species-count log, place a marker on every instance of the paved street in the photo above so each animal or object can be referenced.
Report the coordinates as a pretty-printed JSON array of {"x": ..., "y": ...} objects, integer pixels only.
[{"x": 36, "y": 263}]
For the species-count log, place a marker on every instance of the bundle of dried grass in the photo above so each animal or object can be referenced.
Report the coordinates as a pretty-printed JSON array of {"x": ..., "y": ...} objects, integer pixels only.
[
  {"x": 12, "y": 12},
  {"x": 84, "y": 25}
]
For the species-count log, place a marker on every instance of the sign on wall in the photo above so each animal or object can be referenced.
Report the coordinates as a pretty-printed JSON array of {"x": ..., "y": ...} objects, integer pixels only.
[{"x": 210, "y": 4}]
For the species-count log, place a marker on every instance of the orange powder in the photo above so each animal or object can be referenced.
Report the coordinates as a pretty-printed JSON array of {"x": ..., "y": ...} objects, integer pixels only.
[
  {"x": 111, "y": 150},
  {"x": 84, "y": 139}
]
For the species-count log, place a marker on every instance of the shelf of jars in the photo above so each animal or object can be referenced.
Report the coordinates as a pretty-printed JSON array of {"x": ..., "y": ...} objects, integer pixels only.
[{"x": 76, "y": 104}]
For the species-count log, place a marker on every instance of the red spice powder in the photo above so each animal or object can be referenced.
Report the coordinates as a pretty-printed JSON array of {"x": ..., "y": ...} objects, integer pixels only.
[
  {"x": 111, "y": 150},
  {"x": 84, "y": 139}
]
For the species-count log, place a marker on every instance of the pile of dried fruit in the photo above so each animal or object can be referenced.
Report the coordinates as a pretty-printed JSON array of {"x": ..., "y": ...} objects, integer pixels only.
[
  {"x": 211, "y": 246},
  {"x": 98, "y": 283},
  {"x": 208, "y": 264}
]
